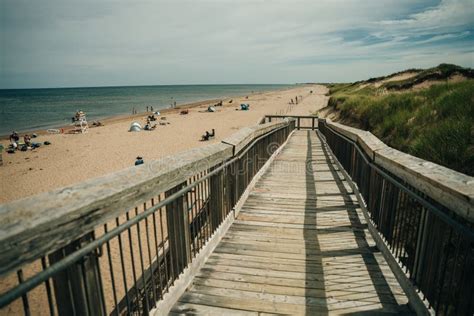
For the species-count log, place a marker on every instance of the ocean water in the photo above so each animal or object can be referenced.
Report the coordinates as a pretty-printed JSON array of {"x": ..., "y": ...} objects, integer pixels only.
[{"x": 29, "y": 109}]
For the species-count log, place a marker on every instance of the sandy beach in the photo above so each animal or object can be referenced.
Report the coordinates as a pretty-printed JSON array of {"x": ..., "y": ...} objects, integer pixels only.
[{"x": 72, "y": 158}]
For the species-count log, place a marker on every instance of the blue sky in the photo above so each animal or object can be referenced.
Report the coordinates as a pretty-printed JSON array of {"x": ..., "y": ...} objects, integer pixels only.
[{"x": 61, "y": 43}]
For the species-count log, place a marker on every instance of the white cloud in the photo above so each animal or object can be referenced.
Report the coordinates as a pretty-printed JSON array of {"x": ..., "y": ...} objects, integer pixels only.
[{"x": 58, "y": 43}]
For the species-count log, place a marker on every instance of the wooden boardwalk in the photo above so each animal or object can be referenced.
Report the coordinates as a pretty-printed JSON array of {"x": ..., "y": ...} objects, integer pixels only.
[{"x": 300, "y": 245}]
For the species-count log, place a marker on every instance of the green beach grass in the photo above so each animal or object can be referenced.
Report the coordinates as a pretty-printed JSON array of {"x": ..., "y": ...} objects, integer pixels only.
[{"x": 435, "y": 124}]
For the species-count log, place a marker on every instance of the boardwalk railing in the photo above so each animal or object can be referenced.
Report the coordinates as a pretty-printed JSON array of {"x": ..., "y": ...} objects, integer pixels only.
[
  {"x": 422, "y": 211},
  {"x": 116, "y": 244},
  {"x": 302, "y": 121}
]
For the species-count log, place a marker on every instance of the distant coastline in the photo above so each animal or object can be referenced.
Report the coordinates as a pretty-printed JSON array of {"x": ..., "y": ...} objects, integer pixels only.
[
  {"x": 52, "y": 107},
  {"x": 72, "y": 158},
  {"x": 119, "y": 118}
]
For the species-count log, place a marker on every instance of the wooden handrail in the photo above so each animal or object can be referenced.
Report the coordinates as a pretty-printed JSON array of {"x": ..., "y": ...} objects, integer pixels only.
[
  {"x": 446, "y": 186},
  {"x": 40, "y": 224},
  {"x": 291, "y": 116}
]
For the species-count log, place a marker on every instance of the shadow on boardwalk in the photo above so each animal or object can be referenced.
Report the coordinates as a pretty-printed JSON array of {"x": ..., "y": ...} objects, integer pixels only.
[{"x": 299, "y": 245}]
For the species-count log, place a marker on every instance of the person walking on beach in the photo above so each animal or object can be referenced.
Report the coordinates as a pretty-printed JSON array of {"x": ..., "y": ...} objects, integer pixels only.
[{"x": 147, "y": 108}]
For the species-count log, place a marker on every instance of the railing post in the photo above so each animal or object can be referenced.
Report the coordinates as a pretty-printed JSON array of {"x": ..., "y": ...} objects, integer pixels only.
[
  {"x": 178, "y": 230},
  {"x": 269, "y": 119},
  {"x": 312, "y": 123},
  {"x": 78, "y": 289},
  {"x": 215, "y": 200},
  {"x": 298, "y": 123}
]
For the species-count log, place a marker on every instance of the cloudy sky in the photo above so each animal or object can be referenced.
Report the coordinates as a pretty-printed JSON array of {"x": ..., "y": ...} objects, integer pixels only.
[{"x": 61, "y": 43}]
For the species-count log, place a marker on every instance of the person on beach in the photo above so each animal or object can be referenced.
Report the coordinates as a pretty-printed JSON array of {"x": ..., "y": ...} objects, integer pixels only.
[
  {"x": 139, "y": 161},
  {"x": 147, "y": 108},
  {"x": 14, "y": 139},
  {"x": 151, "y": 108},
  {"x": 27, "y": 140}
]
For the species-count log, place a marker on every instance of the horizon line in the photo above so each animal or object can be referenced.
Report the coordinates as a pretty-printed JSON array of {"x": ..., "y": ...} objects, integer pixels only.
[{"x": 163, "y": 85}]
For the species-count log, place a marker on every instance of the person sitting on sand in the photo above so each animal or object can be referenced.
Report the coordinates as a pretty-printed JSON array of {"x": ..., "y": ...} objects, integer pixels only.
[
  {"x": 14, "y": 139},
  {"x": 208, "y": 135},
  {"x": 149, "y": 127},
  {"x": 139, "y": 161},
  {"x": 27, "y": 140}
]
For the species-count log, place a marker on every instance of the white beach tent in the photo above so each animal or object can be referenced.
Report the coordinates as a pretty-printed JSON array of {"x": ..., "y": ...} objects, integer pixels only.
[{"x": 135, "y": 127}]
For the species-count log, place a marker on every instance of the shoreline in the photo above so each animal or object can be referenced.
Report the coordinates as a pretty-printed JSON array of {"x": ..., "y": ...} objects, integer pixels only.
[
  {"x": 120, "y": 117},
  {"x": 107, "y": 120},
  {"x": 73, "y": 158}
]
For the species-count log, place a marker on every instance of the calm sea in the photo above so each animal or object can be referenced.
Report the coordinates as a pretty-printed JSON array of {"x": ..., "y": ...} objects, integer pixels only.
[{"x": 30, "y": 109}]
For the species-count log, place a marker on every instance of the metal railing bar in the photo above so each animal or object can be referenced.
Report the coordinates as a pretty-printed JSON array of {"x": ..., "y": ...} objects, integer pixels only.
[
  {"x": 112, "y": 278},
  {"x": 153, "y": 284},
  {"x": 142, "y": 266},
  {"x": 433, "y": 208},
  {"x": 155, "y": 235},
  {"x": 124, "y": 274},
  {"x": 43, "y": 276},
  {"x": 48, "y": 289},
  {"x": 24, "y": 296}
]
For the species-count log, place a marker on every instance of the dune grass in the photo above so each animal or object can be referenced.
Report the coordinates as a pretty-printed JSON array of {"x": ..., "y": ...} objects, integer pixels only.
[{"x": 436, "y": 124}]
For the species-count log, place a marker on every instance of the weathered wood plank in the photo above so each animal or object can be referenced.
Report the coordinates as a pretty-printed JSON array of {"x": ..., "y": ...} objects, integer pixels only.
[
  {"x": 37, "y": 225},
  {"x": 448, "y": 187},
  {"x": 363, "y": 293},
  {"x": 330, "y": 302},
  {"x": 280, "y": 308},
  {"x": 199, "y": 309},
  {"x": 354, "y": 285},
  {"x": 246, "y": 135},
  {"x": 300, "y": 244}
]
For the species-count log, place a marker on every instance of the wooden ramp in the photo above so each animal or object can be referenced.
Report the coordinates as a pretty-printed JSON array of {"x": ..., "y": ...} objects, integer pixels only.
[{"x": 300, "y": 245}]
